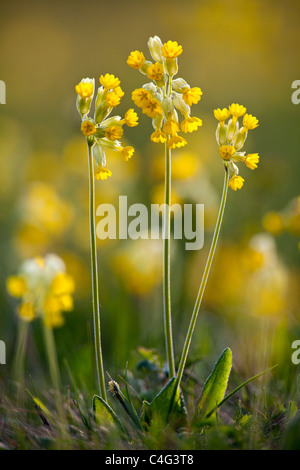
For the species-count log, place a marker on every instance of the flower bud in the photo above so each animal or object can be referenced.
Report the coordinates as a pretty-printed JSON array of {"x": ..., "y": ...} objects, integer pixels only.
[
  {"x": 155, "y": 46},
  {"x": 167, "y": 106},
  {"x": 99, "y": 155},
  {"x": 233, "y": 127},
  {"x": 221, "y": 134},
  {"x": 83, "y": 105},
  {"x": 239, "y": 139},
  {"x": 171, "y": 66},
  {"x": 179, "y": 83},
  {"x": 181, "y": 105},
  {"x": 145, "y": 66},
  {"x": 101, "y": 108}
]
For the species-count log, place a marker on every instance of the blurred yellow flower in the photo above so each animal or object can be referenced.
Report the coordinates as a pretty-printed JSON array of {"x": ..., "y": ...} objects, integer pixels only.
[
  {"x": 26, "y": 311},
  {"x": 273, "y": 223},
  {"x": 45, "y": 289},
  {"x": 16, "y": 286}
]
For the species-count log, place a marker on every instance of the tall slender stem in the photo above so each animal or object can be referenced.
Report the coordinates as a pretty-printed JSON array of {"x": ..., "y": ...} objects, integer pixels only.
[
  {"x": 19, "y": 361},
  {"x": 166, "y": 267},
  {"x": 212, "y": 250},
  {"x": 54, "y": 371},
  {"x": 94, "y": 270}
]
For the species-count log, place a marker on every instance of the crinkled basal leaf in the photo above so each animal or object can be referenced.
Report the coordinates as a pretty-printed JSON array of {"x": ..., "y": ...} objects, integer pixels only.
[
  {"x": 161, "y": 404},
  {"x": 215, "y": 386},
  {"x": 104, "y": 414}
]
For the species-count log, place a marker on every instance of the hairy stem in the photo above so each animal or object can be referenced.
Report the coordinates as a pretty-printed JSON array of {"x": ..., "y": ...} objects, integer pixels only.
[
  {"x": 95, "y": 284},
  {"x": 166, "y": 267},
  {"x": 212, "y": 250}
]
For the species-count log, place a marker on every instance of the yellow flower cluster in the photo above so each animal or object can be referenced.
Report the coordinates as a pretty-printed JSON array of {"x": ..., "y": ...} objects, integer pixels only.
[
  {"x": 164, "y": 96},
  {"x": 285, "y": 220},
  {"x": 231, "y": 138},
  {"x": 45, "y": 290},
  {"x": 101, "y": 131}
]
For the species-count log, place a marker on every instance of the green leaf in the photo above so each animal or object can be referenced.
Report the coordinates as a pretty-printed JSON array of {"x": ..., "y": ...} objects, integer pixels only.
[
  {"x": 162, "y": 404},
  {"x": 104, "y": 414},
  {"x": 215, "y": 386},
  {"x": 41, "y": 406}
]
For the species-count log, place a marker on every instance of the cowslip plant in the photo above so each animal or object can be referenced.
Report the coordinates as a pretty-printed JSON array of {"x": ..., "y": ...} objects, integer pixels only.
[
  {"x": 46, "y": 291},
  {"x": 230, "y": 139},
  {"x": 102, "y": 132},
  {"x": 161, "y": 99}
]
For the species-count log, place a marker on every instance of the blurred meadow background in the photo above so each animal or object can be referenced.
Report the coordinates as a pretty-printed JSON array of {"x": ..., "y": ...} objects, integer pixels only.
[{"x": 241, "y": 52}]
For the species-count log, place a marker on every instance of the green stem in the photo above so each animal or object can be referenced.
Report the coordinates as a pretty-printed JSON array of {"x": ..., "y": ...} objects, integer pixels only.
[
  {"x": 166, "y": 267},
  {"x": 95, "y": 285},
  {"x": 54, "y": 370},
  {"x": 212, "y": 250},
  {"x": 19, "y": 361}
]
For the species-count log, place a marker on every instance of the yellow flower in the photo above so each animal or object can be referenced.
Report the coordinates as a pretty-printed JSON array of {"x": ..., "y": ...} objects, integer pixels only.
[
  {"x": 190, "y": 124},
  {"x": 136, "y": 59},
  {"x": 158, "y": 137},
  {"x": 102, "y": 173},
  {"x": 176, "y": 141},
  {"x": 222, "y": 114},
  {"x": 66, "y": 302},
  {"x": 155, "y": 71},
  {"x": 63, "y": 283},
  {"x": 140, "y": 97},
  {"x": 192, "y": 95},
  {"x": 109, "y": 81},
  {"x": 250, "y": 122},
  {"x": 171, "y": 127},
  {"x": 84, "y": 90},
  {"x": 118, "y": 91},
  {"x": 126, "y": 152},
  {"x": 237, "y": 110},
  {"x": 112, "y": 99},
  {"x": 171, "y": 49},
  {"x": 226, "y": 151},
  {"x": 114, "y": 132},
  {"x": 273, "y": 223},
  {"x": 131, "y": 118},
  {"x": 251, "y": 160},
  {"x": 152, "y": 108},
  {"x": 88, "y": 128},
  {"x": 16, "y": 286},
  {"x": 26, "y": 311},
  {"x": 236, "y": 182}
]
